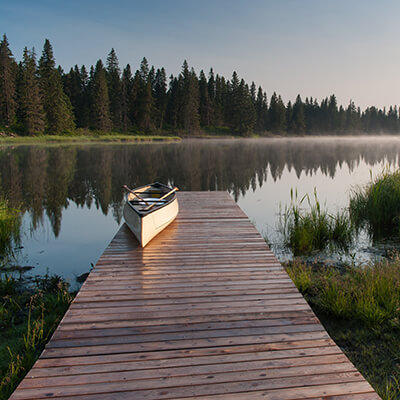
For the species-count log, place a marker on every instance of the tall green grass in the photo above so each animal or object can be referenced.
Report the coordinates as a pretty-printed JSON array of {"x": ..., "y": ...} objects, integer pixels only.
[
  {"x": 370, "y": 293},
  {"x": 376, "y": 206},
  {"x": 312, "y": 228},
  {"x": 28, "y": 317},
  {"x": 10, "y": 223},
  {"x": 360, "y": 308}
]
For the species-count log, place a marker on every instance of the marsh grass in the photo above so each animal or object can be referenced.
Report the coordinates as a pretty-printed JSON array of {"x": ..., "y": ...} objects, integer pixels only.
[
  {"x": 314, "y": 229},
  {"x": 10, "y": 222},
  {"x": 376, "y": 206},
  {"x": 31, "y": 312},
  {"x": 360, "y": 308}
]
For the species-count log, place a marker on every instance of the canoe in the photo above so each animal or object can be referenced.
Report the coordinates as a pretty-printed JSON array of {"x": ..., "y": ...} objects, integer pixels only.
[{"x": 149, "y": 209}]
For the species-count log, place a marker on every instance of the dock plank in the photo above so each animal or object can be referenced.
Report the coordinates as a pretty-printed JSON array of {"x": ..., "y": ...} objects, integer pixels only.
[{"x": 205, "y": 311}]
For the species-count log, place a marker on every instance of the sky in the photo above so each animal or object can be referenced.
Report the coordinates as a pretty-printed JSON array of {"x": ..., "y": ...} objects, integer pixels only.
[{"x": 309, "y": 47}]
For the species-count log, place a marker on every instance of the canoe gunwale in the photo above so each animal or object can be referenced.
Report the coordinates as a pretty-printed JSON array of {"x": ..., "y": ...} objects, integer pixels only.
[{"x": 156, "y": 207}]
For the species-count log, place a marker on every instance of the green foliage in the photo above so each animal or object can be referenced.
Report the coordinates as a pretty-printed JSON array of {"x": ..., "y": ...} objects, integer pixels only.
[
  {"x": 28, "y": 317},
  {"x": 301, "y": 275},
  {"x": 31, "y": 113},
  {"x": 370, "y": 294},
  {"x": 191, "y": 103},
  {"x": 360, "y": 308},
  {"x": 57, "y": 106},
  {"x": 314, "y": 229},
  {"x": 8, "y": 74},
  {"x": 100, "y": 106},
  {"x": 10, "y": 222},
  {"x": 377, "y": 205}
]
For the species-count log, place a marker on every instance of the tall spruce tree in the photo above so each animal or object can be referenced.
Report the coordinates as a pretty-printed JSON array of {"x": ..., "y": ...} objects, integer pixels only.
[
  {"x": 57, "y": 107},
  {"x": 205, "y": 103},
  {"x": 174, "y": 105},
  {"x": 8, "y": 75},
  {"x": 221, "y": 101},
  {"x": 160, "y": 97},
  {"x": 74, "y": 89},
  {"x": 242, "y": 116},
  {"x": 277, "y": 114},
  {"x": 261, "y": 111},
  {"x": 100, "y": 106},
  {"x": 126, "y": 93},
  {"x": 31, "y": 113},
  {"x": 190, "y": 109},
  {"x": 211, "y": 89},
  {"x": 144, "y": 99},
  {"x": 83, "y": 114},
  {"x": 298, "y": 120},
  {"x": 114, "y": 89}
]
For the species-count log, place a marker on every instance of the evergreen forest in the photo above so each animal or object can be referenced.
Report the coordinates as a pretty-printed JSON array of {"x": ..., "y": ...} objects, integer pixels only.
[{"x": 38, "y": 97}]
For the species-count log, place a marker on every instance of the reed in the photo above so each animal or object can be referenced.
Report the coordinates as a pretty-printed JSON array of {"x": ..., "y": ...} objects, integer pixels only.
[
  {"x": 376, "y": 206},
  {"x": 314, "y": 229},
  {"x": 10, "y": 223}
]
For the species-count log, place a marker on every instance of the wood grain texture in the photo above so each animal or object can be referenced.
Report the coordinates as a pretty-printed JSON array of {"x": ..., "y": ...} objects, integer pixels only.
[{"x": 205, "y": 311}]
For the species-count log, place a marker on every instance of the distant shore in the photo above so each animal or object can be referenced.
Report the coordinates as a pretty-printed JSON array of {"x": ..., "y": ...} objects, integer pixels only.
[{"x": 60, "y": 139}]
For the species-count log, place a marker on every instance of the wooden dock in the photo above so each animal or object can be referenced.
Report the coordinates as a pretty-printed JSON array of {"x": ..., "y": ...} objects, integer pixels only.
[{"x": 205, "y": 311}]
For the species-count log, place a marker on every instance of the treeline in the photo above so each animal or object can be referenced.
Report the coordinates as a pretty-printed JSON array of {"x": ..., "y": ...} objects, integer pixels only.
[{"x": 38, "y": 97}]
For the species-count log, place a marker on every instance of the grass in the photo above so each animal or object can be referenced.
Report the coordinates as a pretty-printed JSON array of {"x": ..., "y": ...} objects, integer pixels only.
[
  {"x": 360, "y": 308},
  {"x": 86, "y": 138},
  {"x": 29, "y": 314},
  {"x": 314, "y": 229},
  {"x": 10, "y": 223},
  {"x": 377, "y": 205}
]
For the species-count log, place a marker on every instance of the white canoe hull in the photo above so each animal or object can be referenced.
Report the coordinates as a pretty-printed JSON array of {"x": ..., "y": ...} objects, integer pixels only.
[{"x": 147, "y": 227}]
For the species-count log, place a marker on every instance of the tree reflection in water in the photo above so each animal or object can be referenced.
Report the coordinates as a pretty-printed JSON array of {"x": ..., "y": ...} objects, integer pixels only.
[{"x": 44, "y": 180}]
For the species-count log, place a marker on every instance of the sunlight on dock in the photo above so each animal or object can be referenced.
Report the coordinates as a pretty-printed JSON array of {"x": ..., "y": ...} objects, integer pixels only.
[{"x": 205, "y": 311}]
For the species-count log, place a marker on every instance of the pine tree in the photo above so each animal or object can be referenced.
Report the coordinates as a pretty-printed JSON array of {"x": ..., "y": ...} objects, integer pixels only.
[
  {"x": 83, "y": 114},
  {"x": 114, "y": 89},
  {"x": 253, "y": 92},
  {"x": 277, "y": 114},
  {"x": 144, "y": 99},
  {"x": 100, "y": 106},
  {"x": 74, "y": 89},
  {"x": 160, "y": 97},
  {"x": 261, "y": 107},
  {"x": 126, "y": 89},
  {"x": 205, "y": 106},
  {"x": 190, "y": 109},
  {"x": 298, "y": 120},
  {"x": 332, "y": 113},
  {"x": 31, "y": 113},
  {"x": 8, "y": 75},
  {"x": 241, "y": 114},
  {"x": 221, "y": 101},
  {"x": 289, "y": 117},
  {"x": 58, "y": 109},
  {"x": 174, "y": 105},
  {"x": 211, "y": 89},
  {"x": 352, "y": 118}
]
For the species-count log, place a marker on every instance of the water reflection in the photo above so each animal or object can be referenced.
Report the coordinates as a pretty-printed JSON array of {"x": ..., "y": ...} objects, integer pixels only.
[
  {"x": 60, "y": 184},
  {"x": 44, "y": 180}
]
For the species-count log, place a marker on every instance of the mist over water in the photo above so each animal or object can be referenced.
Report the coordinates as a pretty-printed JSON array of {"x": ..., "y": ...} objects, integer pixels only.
[{"x": 72, "y": 200}]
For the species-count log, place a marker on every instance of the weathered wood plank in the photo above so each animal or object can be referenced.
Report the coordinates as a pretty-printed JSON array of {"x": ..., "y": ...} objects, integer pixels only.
[{"x": 205, "y": 311}]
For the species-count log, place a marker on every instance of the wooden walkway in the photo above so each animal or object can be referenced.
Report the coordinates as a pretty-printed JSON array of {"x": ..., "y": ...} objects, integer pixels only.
[{"x": 205, "y": 311}]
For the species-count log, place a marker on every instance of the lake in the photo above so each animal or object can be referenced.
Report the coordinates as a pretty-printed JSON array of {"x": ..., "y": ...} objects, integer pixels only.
[{"x": 71, "y": 195}]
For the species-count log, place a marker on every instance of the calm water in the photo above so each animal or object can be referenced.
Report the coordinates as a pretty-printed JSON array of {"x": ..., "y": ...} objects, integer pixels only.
[{"x": 72, "y": 200}]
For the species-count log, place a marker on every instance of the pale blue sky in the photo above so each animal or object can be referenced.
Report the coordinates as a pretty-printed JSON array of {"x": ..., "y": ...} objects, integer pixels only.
[{"x": 312, "y": 47}]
